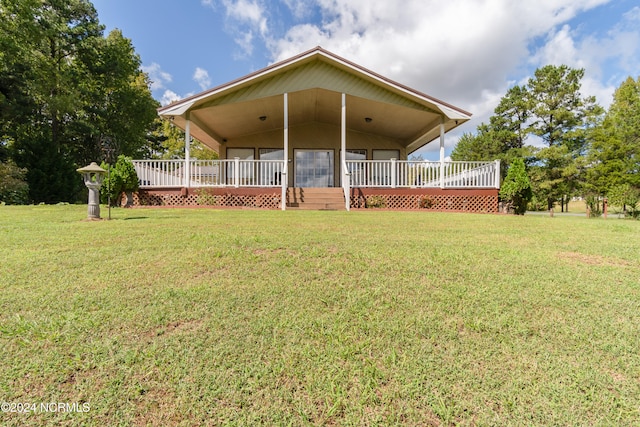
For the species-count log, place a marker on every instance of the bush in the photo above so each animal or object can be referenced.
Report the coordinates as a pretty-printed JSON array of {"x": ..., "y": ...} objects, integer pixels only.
[
  {"x": 376, "y": 202},
  {"x": 426, "y": 202},
  {"x": 516, "y": 188},
  {"x": 14, "y": 189},
  {"x": 122, "y": 178},
  {"x": 206, "y": 199}
]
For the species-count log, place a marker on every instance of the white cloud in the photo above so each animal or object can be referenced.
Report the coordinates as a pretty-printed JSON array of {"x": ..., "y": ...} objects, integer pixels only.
[
  {"x": 250, "y": 12},
  {"x": 244, "y": 19},
  {"x": 466, "y": 52},
  {"x": 618, "y": 48},
  {"x": 300, "y": 8},
  {"x": 201, "y": 76},
  {"x": 168, "y": 97},
  {"x": 157, "y": 77},
  {"x": 245, "y": 41}
]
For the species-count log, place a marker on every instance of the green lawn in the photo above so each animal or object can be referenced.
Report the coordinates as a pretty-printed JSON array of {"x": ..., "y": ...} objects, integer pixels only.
[{"x": 241, "y": 317}]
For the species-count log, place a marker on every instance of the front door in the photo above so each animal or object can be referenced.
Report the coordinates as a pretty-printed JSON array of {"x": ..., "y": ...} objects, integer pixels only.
[{"x": 314, "y": 168}]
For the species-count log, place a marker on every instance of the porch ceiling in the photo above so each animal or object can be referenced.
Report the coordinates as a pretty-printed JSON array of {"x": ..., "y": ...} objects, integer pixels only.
[{"x": 230, "y": 121}]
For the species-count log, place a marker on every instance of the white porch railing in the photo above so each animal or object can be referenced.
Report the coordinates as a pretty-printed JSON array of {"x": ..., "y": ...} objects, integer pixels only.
[
  {"x": 355, "y": 173},
  {"x": 210, "y": 173},
  {"x": 403, "y": 173}
]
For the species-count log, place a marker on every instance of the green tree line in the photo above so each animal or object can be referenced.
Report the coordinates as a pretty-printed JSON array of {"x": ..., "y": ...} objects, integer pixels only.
[
  {"x": 66, "y": 89},
  {"x": 571, "y": 146}
]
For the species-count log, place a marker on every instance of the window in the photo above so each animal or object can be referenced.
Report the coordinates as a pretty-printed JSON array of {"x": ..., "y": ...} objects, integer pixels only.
[
  {"x": 357, "y": 169},
  {"x": 386, "y": 154},
  {"x": 242, "y": 153},
  {"x": 245, "y": 172},
  {"x": 270, "y": 173},
  {"x": 356, "y": 154},
  {"x": 314, "y": 168},
  {"x": 271, "y": 154}
]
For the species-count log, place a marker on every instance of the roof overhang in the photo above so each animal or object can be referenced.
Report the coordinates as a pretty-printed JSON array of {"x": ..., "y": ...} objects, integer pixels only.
[{"x": 314, "y": 81}]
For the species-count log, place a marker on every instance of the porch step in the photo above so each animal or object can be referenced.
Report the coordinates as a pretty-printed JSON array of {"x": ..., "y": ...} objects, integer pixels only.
[{"x": 315, "y": 199}]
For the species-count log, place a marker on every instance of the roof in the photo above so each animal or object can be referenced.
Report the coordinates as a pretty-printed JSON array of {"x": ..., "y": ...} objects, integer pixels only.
[{"x": 314, "y": 79}]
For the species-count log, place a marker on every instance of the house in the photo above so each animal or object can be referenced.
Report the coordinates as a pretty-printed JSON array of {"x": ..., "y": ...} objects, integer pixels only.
[{"x": 321, "y": 132}]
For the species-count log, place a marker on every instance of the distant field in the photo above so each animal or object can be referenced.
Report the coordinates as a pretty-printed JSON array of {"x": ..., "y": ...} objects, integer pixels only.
[
  {"x": 240, "y": 317},
  {"x": 576, "y": 206}
]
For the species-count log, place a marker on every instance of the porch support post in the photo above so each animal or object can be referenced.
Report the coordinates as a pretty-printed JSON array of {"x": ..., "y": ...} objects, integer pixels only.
[
  {"x": 284, "y": 180},
  {"x": 343, "y": 132},
  {"x": 187, "y": 152},
  {"x": 346, "y": 178},
  {"x": 393, "y": 172},
  {"x": 236, "y": 172},
  {"x": 497, "y": 176},
  {"x": 442, "y": 152}
]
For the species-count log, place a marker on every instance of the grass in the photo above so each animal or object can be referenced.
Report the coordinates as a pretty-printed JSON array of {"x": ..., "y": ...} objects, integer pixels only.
[{"x": 242, "y": 317}]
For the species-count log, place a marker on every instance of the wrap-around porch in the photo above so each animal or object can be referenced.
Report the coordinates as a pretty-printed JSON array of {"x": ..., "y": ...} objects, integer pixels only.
[
  {"x": 210, "y": 182},
  {"x": 316, "y": 126}
]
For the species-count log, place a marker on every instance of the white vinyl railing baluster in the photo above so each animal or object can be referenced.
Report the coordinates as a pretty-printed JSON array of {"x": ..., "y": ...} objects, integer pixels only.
[
  {"x": 362, "y": 173},
  {"x": 397, "y": 173}
]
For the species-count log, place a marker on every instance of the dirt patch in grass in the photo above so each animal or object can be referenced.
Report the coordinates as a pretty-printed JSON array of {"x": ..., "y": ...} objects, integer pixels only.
[
  {"x": 597, "y": 260},
  {"x": 180, "y": 326}
]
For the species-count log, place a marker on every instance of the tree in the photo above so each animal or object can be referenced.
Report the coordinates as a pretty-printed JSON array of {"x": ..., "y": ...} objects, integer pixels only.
[
  {"x": 14, "y": 189},
  {"x": 561, "y": 118},
  {"x": 122, "y": 179},
  {"x": 510, "y": 118},
  {"x": 169, "y": 143},
  {"x": 504, "y": 137},
  {"x": 626, "y": 197},
  {"x": 483, "y": 146},
  {"x": 614, "y": 155},
  {"x": 516, "y": 188},
  {"x": 63, "y": 87}
]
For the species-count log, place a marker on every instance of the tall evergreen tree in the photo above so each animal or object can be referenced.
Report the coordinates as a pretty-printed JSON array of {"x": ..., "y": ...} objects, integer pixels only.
[
  {"x": 561, "y": 118},
  {"x": 503, "y": 137},
  {"x": 614, "y": 155}
]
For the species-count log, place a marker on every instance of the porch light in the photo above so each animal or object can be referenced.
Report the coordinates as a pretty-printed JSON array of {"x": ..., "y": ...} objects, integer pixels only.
[
  {"x": 368, "y": 119},
  {"x": 262, "y": 118}
]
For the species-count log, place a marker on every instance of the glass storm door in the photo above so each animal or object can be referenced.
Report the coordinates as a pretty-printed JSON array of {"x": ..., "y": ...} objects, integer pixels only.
[{"x": 314, "y": 168}]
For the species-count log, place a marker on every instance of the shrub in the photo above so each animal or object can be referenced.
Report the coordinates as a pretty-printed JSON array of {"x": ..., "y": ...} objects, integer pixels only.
[
  {"x": 376, "y": 202},
  {"x": 123, "y": 178},
  {"x": 206, "y": 199},
  {"x": 14, "y": 189},
  {"x": 426, "y": 202},
  {"x": 516, "y": 188}
]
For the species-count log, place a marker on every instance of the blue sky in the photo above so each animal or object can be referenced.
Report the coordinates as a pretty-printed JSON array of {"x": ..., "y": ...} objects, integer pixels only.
[{"x": 465, "y": 52}]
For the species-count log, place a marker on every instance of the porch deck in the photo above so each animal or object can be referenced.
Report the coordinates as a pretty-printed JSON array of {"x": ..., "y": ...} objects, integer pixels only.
[{"x": 396, "y": 184}]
